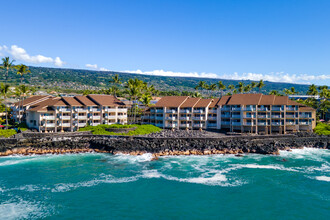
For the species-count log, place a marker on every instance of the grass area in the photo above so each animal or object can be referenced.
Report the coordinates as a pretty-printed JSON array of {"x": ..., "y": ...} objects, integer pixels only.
[
  {"x": 322, "y": 129},
  {"x": 140, "y": 129},
  {"x": 7, "y": 133}
]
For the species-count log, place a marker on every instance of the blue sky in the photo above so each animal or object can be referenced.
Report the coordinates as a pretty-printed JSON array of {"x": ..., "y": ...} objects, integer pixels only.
[{"x": 286, "y": 41}]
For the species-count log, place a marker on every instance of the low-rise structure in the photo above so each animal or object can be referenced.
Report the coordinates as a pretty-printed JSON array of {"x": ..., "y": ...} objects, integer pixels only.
[
  {"x": 253, "y": 113},
  {"x": 54, "y": 114}
]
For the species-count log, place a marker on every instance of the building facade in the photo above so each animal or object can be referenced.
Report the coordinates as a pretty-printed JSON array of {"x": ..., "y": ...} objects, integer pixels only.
[
  {"x": 252, "y": 113},
  {"x": 58, "y": 114}
]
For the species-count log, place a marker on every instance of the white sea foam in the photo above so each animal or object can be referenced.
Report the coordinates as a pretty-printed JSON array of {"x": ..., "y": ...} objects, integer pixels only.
[
  {"x": 323, "y": 178},
  {"x": 271, "y": 167},
  {"x": 313, "y": 154},
  {"x": 133, "y": 159},
  {"x": 23, "y": 210}
]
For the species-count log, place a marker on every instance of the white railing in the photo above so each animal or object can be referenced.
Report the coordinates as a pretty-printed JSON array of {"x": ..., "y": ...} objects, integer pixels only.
[
  {"x": 110, "y": 117},
  {"x": 263, "y": 116},
  {"x": 263, "y": 109},
  {"x": 184, "y": 125},
  {"x": 185, "y": 118},
  {"x": 82, "y": 124},
  {"x": 122, "y": 110},
  {"x": 276, "y": 116},
  {"x": 52, "y": 125},
  {"x": 65, "y": 117},
  {"x": 290, "y": 116},
  {"x": 290, "y": 123},
  {"x": 171, "y": 111},
  {"x": 170, "y": 118},
  {"x": 249, "y": 116},
  {"x": 80, "y": 110},
  {"x": 305, "y": 123},
  {"x": 277, "y": 109},
  {"x": 94, "y": 110},
  {"x": 122, "y": 116},
  {"x": 198, "y": 111},
  {"x": 110, "y": 110},
  {"x": 64, "y": 124},
  {"x": 305, "y": 116},
  {"x": 96, "y": 117},
  {"x": 184, "y": 111},
  {"x": 249, "y": 109},
  {"x": 49, "y": 117},
  {"x": 290, "y": 108},
  {"x": 198, "y": 118},
  {"x": 82, "y": 116},
  {"x": 198, "y": 125},
  {"x": 236, "y": 109},
  {"x": 95, "y": 124},
  {"x": 64, "y": 110},
  {"x": 262, "y": 123}
]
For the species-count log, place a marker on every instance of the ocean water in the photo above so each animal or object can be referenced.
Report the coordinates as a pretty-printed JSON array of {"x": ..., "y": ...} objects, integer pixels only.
[{"x": 293, "y": 185}]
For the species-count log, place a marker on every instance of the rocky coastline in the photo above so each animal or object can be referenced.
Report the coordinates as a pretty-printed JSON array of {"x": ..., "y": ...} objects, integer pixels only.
[{"x": 164, "y": 144}]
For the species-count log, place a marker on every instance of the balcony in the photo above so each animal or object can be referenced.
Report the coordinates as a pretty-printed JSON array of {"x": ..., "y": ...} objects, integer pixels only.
[
  {"x": 212, "y": 118},
  {"x": 305, "y": 123},
  {"x": 225, "y": 115},
  {"x": 263, "y": 109},
  {"x": 262, "y": 123},
  {"x": 249, "y": 116},
  {"x": 159, "y": 118},
  {"x": 305, "y": 116},
  {"x": 170, "y": 118},
  {"x": 236, "y": 109},
  {"x": 236, "y": 116},
  {"x": 82, "y": 117},
  {"x": 225, "y": 122},
  {"x": 276, "y": 123},
  {"x": 185, "y": 118},
  {"x": 198, "y": 118},
  {"x": 248, "y": 124},
  {"x": 290, "y": 109},
  {"x": 51, "y": 125},
  {"x": 171, "y": 125},
  {"x": 80, "y": 110},
  {"x": 226, "y": 108},
  {"x": 95, "y": 124},
  {"x": 211, "y": 125},
  {"x": 64, "y": 110},
  {"x": 236, "y": 123},
  {"x": 48, "y": 117},
  {"x": 263, "y": 116},
  {"x": 122, "y": 116},
  {"x": 185, "y": 111},
  {"x": 212, "y": 111},
  {"x": 122, "y": 110},
  {"x": 94, "y": 110},
  {"x": 65, "y": 117},
  {"x": 290, "y": 116},
  {"x": 276, "y": 116},
  {"x": 110, "y": 110},
  {"x": 249, "y": 109},
  {"x": 199, "y": 111},
  {"x": 277, "y": 109},
  {"x": 110, "y": 116},
  {"x": 81, "y": 124},
  {"x": 64, "y": 124},
  {"x": 198, "y": 125},
  {"x": 171, "y": 111},
  {"x": 289, "y": 123},
  {"x": 184, "y": 125}
]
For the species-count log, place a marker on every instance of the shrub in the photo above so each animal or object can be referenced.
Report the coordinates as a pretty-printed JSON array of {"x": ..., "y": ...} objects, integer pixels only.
[
  {"x": 7, "y": 133},
  {"x": 322, "y": 129},
  {"x": 139, "y": 129}
]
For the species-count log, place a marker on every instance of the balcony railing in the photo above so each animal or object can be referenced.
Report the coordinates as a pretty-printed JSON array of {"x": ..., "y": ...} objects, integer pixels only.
[
  {"x": 171, "y": 125},
  {"x": 225, "y": 115},
  {"x": 159, "y": 118},
  {"x": 263, "y": 109},
  {"x": 236, "y": 123},
  {"x": 262, "y": 123},
  {"x": 305, "y": 116},
  {"x": 289, "y": 123},
  {"x": 170, "y": 118},
  {"x": 184, "y": 111},
  {"x": 227, "y": 108},
  {"x": 65, "y": 117},
  {"x": 110, "y": 110},
  {"x": 64, "y": 110},
  {"x": 95, "y": 124},
  {"x": 81, "y": 124},
  {"x": 51, "y": 125},
  {"x": 185, "y": 118},
  {"x": 198, "y": 118},
  {"x": 263, "y": 116},
  {"x": 249, "y": 116},
  {"x": 81, "y": 110},
  {"x": 212, "y": 125},
  {"x": 122, "y": 110},
  {"x": 64, "y": 124},
  {"x": 171, "y": 111},
  {"x": 225, "y": 122},
  {"x": 249, "y": 109},
  {"x": 122, "y": 116},
  {"x": 276, "y": 123},
  {"x": 290, "y": 109},
  {"x": 184, "y": 125},
  {"x": 290, "y": 116},
  {"x": 198, "y": 111},
  {"x": 198, "y": 125},
  {"x": 305, "y": 123},
  {"x": 235, "y": 109},
  {"x": 277, "y": 109},
  {"x": 212, "y": 118},
  {"x": 82, "y": 117},
  {"x": 236, "y": 116},
  {"x": 248, "y": 123},
  {"x": 94, "y": 110},
  {"x": 110, "y": 116},
  {"x": 48, "y": 117},
  {"x": 276, "y": 116},
  {"x": 212, "y": 111}
]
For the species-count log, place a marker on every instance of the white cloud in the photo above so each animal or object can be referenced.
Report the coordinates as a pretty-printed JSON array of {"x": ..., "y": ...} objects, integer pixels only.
[
  {"x": 104, "y": 69},
  {"x": 170, "y": 73},
  {"x": 92, "y": 66},
  {"x": 273, "y": 77},
  {"x": 20, "y": 54}
]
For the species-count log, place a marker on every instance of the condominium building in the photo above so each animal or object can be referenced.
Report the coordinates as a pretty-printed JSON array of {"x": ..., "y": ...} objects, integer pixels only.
[
  {"x": 253, "y": 113},
  {"x": 56, "y": 114}
]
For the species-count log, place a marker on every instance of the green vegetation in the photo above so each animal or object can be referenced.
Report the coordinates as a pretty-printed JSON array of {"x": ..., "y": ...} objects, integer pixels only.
[
  {"x": 7, "y": 133},
  {"x": 139, "y": 129},
  {"x": 322, "y": 129}
]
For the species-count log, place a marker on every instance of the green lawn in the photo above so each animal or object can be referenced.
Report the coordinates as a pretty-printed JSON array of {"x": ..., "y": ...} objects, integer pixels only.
[
  {"x": 7, "y": 133},
  {"x": 322, "y": 129},
  {"x": 140, "y": 129}
]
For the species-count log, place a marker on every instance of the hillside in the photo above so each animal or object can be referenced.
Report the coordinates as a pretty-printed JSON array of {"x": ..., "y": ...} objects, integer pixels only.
[{"x": 77, "y": 79}]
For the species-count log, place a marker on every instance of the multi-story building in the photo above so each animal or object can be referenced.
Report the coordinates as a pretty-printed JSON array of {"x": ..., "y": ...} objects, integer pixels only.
[
  {"x": 253, "y": 113},
  {"x": 56, "y": 114}
]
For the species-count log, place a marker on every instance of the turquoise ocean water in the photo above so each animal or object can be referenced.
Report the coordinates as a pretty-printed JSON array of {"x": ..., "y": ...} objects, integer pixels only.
[{"x": 102, "y": 186}]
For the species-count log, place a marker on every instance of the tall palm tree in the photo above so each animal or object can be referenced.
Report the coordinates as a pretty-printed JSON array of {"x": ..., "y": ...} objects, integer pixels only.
[
  {"x": 324, "y": 93},
  {"x": 146, "y": 99},
  {"x": 115, "y": 80},
  {"x": 240, "y": 87},
  {"x": 312, "y": 90},
  {"x": 260, "y": 85},
  {"x": 231, "y": 87},
  {"x": 4, "y": 93},
  {"x": 293, "y": 91},
  {"x": 324, "y": 107},
  {"x": 247, "y": 88},
  {"x": 133, "y": 89},
  {"x": 221, "y": 87},
  {"x": 7, "y": 64},
  {"x": 213, "y": 87},
  {"x": 21, "y": 70}
]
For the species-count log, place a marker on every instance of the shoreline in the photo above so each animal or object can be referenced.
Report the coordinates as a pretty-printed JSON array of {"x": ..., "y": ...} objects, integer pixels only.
[{"x": 85, "y": 142}]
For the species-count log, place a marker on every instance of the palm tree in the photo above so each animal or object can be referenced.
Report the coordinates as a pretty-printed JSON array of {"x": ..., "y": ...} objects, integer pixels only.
[
  {"x": 324, "y": 93},
  {"x": 293, "y": 91},
  {"x": 274, "y": 92},
  {"x": 221, "y": 87},
  {"x": 240, "y": 87},
  {"x": 7, "y": 64},
  {"x": 312, "y": 90},
  {"x": 134, "y": 89},
  {"x": 213, "y": 87},
  {"x": 235, "y": 91},
  {"x": 247, "y": 88},
  {"x": 324, "y": 107},
  {"x": 146, "y": 99},
  {"x": 21, "y": 70},
  {"x": 116, "y": 81},
  {"x": 201, "y": 85},
  {"x": 231, "y": 87},
  {"x": 260, "y": 85},
  {"x": 4, "y": 93}
]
